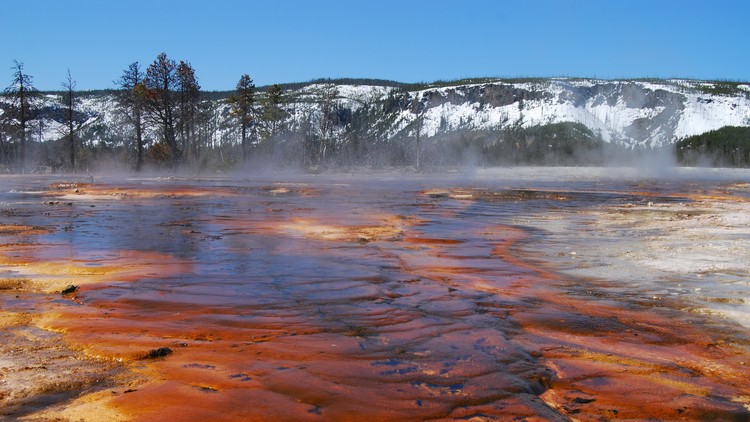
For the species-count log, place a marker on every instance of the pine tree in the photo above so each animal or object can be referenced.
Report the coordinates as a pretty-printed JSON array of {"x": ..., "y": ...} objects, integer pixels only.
[
  {"x": 242, "y": 102},
  {"x": 131, "y": 101},
  {"x": 189, "y": 94},
  {"x": 273, "y": 113},
  {"x": 161, "y": 84},
  {"x": 22, "y": 95}
]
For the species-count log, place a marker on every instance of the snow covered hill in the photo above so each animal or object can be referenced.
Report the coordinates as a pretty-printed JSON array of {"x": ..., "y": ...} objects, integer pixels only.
[{"x": 633, "y": 113}]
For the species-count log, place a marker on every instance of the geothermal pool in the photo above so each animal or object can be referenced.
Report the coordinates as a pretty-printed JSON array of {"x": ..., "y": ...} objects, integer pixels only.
[{"x": 536, "y": 293}]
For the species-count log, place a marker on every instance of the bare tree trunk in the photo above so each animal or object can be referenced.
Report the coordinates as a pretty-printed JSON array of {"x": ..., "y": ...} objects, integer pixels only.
[
  {"x": 419, "y": 146},
  {"x": 3, "y": 149},
  {"x": 69, "y": 85},
  {"x": 22, "y": 95},
  {"x": 71, "y": 140},
  {"x": 419, "y": 109},
  {"x": 244, "y": 144},
  {"x": 138, "y": 141},
  {"x": 23, "y": 141},
  {"x": 169, "y": 133}
]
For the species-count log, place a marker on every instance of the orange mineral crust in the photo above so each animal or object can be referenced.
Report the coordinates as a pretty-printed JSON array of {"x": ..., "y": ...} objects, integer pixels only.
[{"x": 311, "y": 299}]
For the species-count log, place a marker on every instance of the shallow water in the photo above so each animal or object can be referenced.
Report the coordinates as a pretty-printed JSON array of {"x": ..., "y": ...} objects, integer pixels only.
[{"x": 381, "y": 297}]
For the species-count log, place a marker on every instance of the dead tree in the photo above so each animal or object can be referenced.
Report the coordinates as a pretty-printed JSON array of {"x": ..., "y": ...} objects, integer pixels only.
[{"x": 69, "y": 100}]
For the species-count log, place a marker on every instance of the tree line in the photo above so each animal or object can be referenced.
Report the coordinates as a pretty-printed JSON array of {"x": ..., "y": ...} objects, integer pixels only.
[
  {"x": 164, "y": 119},
  {"x": 725, "y": 147},
  {"x": 161, "y": 118}
]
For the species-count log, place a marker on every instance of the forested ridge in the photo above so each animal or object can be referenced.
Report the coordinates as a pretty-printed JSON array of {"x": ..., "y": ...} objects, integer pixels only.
[
  {"x": 160, "y": 118},
  {"x": 725, "y": 147}
]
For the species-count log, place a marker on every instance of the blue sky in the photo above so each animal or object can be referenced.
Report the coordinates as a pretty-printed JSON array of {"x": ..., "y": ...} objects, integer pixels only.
[{"x": 405, "y": 40}]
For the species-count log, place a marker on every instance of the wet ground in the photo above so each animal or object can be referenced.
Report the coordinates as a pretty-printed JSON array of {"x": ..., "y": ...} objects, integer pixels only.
[{"x": 508, "y": 294}]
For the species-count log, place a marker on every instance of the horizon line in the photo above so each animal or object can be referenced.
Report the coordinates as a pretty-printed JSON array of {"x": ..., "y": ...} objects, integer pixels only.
[{"x": 458, "y": 81}]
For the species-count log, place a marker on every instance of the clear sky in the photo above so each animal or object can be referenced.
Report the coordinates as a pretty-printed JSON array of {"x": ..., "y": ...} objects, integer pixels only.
[{"x": 405, "y": 40}]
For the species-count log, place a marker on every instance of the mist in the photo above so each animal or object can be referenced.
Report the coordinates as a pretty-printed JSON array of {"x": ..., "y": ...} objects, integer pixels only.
[{"x": 458, "y": 126}]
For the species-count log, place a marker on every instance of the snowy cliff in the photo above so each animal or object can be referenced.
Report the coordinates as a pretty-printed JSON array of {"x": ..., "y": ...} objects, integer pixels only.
[{"x": 633, "y": 113}]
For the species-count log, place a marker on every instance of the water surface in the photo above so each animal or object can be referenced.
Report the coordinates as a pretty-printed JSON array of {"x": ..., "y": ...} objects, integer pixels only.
[{"x": 495, "y": 295}]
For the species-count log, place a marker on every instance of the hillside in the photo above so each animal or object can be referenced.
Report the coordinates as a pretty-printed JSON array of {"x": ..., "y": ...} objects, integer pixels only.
[
  {"x": 725, "y": 147},
  {"x": 384, "y": 122}
]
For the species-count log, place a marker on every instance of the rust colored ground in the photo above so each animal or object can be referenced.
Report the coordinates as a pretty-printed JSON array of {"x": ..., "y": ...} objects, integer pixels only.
[{"x": 236, "y": 300}]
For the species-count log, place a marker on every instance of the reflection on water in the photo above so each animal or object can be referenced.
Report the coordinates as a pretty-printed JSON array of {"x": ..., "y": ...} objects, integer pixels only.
[{"x": 410, "y": 299}]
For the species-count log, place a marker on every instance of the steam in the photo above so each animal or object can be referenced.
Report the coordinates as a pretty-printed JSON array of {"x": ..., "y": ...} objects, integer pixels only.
[{"x": 657, "y": 163}]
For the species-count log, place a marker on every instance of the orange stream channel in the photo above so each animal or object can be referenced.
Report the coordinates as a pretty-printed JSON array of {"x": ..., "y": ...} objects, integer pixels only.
[{"x": 320, "y": 300}]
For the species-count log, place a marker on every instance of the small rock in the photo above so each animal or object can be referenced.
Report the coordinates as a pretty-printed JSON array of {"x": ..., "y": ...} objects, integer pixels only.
[
  {"x": 316, "y": 410},
  {"x": 68, "y": 290},
  {"x": 159, "y": 353}
]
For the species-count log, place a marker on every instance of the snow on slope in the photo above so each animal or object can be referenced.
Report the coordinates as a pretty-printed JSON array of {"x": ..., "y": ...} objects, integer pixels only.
[
  {"x": 627, "y": 112},
  {"x": 633, "y": 113},
  {"x": 703, "y": 114}
]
